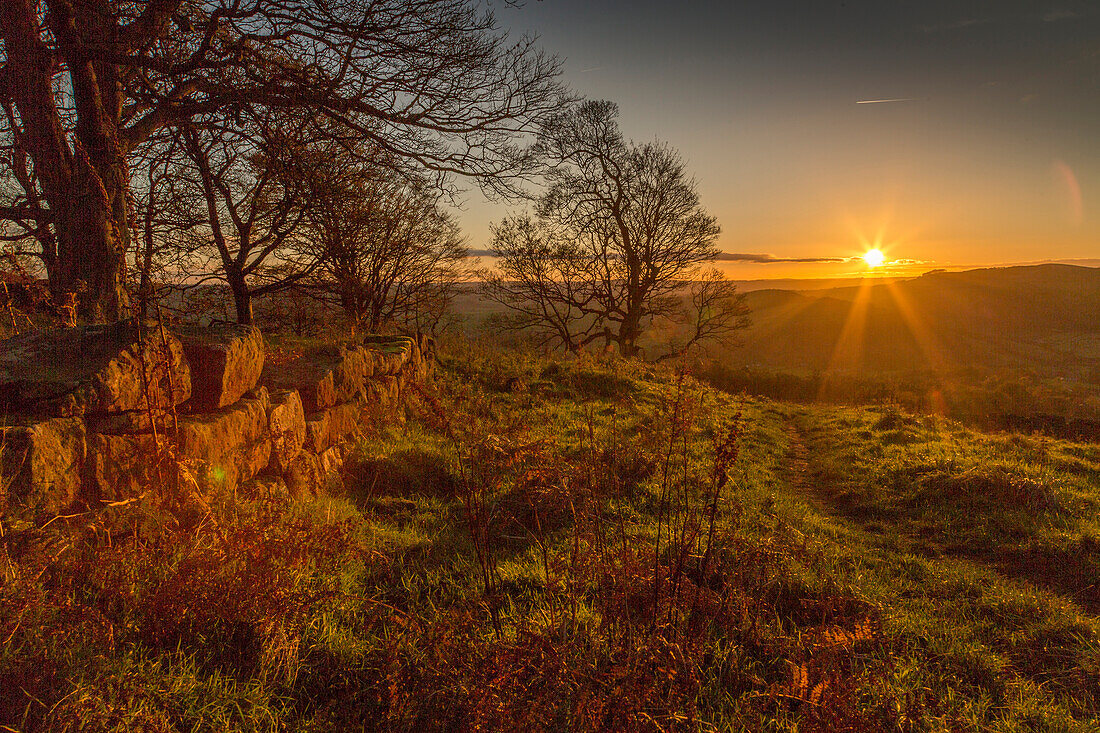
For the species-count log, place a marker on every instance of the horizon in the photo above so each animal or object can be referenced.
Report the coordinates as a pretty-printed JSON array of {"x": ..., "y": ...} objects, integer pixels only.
[
  {"x": 884, "y": 272},
  {"x": 947, "y": 135}
]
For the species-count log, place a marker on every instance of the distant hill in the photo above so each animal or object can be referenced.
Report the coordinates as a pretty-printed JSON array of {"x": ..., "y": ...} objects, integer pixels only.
[{"x": 1042, "y": 317}]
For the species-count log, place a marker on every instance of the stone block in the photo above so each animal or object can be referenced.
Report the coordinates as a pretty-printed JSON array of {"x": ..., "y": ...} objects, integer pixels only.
[
  {"x": 287, "y": 424},
  {"x": 326, "y": 428},
  {"x": 324, "y": 376},
  {"x": 233, "y": 444},
  {"x": 121, "y": 467},
  {"x": 304, "y": 477},
  {"x": 41, "y": 465},
  {"x": 226, "y": 361},
  {"x": 93, "y": 369}
]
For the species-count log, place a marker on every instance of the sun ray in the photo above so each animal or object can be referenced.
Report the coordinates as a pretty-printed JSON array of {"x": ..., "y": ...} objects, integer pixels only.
[
  {"x": 926, "y": 342},
  {"x": 848, "y": 350}
]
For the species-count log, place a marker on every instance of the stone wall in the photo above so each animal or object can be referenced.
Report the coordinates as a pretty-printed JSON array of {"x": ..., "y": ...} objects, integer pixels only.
[{"x": 97, "y": 414}]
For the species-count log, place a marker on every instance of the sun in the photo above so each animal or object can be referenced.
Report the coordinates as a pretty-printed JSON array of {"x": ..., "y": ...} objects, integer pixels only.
[{"x": 874, "y": 257}]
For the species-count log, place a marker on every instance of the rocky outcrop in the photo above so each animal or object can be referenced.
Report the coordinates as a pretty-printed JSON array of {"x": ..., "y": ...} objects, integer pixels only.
[
  {"x": 90, "y": 370},
  {"x": 304, "y": 476},
  {"x": 326, "y": 428},
  {"x": 226, "y": 361},
  {"x": 114, "y": 421},
  {"x": 397, "y": 353},
  {"x": 120, "y": 466},
  {"x": 326, "y": 375},
  {"x": 133, "y": 422},
  {"x": 386, "y": 391}
]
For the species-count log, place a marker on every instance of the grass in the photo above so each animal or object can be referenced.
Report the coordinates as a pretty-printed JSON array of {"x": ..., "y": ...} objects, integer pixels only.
[{"x": 584, "y": 544}]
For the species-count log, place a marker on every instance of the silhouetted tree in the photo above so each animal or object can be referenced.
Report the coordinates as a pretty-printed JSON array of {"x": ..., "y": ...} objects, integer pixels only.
[
  {"x": 386, "y": 248},
  {"x": 255, "y": 207},
  {"x": 616, "y": 244},
  {"x": 83, "y": 83},
  {"x": 547, "y": 280},
  {"x": 166, "y": 210}
]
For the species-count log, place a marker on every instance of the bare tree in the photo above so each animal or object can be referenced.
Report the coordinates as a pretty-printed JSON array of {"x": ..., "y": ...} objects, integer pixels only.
[
  {"x": 255, "y": 207},
  {"x": 545, "y": 278},
  {"x": 83, "y": 83},
  {"x": 385, "y": 246},
  {"x": 716, "y": 312},
  {"x": 23, "y": 221},
  {"x": 616, "y": 244},
  {"x": 166, "y": 210}
]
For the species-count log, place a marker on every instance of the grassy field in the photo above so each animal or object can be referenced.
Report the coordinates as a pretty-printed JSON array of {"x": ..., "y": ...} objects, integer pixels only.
[{"x": 553, "y": 545}]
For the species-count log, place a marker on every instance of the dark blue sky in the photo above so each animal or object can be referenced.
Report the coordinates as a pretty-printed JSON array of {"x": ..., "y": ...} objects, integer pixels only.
[{"x": 995, "y": 157}]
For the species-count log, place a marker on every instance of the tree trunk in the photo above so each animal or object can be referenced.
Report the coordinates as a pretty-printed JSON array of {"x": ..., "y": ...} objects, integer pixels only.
[
  {"x": 630, "y": 331},
  {"x": 242, "y": 299},
  {"x": 376, "y": 316},
  {"x": 85, "y": 185},
  {"x": 91, "y": 253}
]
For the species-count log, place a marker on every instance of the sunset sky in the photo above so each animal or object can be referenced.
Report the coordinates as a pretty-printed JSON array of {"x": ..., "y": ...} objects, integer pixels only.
[{"x": 990, "y": 156}]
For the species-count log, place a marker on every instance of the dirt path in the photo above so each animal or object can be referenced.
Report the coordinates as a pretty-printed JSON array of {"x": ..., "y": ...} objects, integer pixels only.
[{"x": 796, "y": 470}]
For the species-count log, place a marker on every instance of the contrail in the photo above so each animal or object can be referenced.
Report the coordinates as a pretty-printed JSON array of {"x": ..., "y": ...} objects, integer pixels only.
[{"x": 884, "y": 101}]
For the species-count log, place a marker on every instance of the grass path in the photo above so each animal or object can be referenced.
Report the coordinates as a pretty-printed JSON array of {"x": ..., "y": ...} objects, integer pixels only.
[
  {"x": 961, "y": 617},
  {"x": 797, "y": 471},
  {"x": 1051, "y": 571}
]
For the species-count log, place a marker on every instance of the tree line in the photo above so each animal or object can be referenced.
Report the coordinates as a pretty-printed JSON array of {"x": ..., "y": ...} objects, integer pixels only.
[{"x": 270, "y": 146}]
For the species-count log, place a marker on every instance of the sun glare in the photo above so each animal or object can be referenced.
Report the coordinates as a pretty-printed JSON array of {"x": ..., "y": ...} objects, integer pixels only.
[{"x": 874, "y": 257}]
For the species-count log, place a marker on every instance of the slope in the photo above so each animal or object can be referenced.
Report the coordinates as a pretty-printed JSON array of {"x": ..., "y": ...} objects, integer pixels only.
[
  {"x": 1043, "y": 317},
  {"x": 588, "y": 545}
]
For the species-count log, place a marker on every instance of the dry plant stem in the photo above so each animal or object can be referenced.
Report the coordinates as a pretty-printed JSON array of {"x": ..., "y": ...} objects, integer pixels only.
[
  {"x": 10, "y": 574},
  {"x": 663, "y": 509},
  {"x": 725, "y": 453},
  {"x": 11, "y": 309},
  {"x": 541, "y": 540},
  {"x": 475, "y": 517},
  {"x": 171, "y": 383},
  {"x": 166, "y": 447},
  {"x": 150, "y": 410},
  {"x": 574, "y": 555},
  {"x": 688, "y": 528}
]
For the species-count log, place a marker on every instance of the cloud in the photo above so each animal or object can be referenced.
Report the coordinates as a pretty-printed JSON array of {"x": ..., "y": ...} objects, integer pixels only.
[
  {"x": 885, "y": 101},
  {"x": 769, "y": 259},
  {"x": 1053, "y": 15}
]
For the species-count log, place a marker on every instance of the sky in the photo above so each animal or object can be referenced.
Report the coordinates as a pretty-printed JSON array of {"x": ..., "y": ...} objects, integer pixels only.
[{"x": 990, "y": 153}]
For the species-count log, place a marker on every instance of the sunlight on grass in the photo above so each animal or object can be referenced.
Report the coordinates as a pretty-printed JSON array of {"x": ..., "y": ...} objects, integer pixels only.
[{"x": 543, "y": 555}]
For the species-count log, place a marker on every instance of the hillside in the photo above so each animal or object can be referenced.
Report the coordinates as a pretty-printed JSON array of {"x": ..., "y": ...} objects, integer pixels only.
[
  {"x": 582, "y": 544},
  {"x": 1042, "y": 317}
]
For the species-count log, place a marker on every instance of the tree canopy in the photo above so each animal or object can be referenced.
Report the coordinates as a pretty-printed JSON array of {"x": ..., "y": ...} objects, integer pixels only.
[{"x": 85, "y": 83}]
